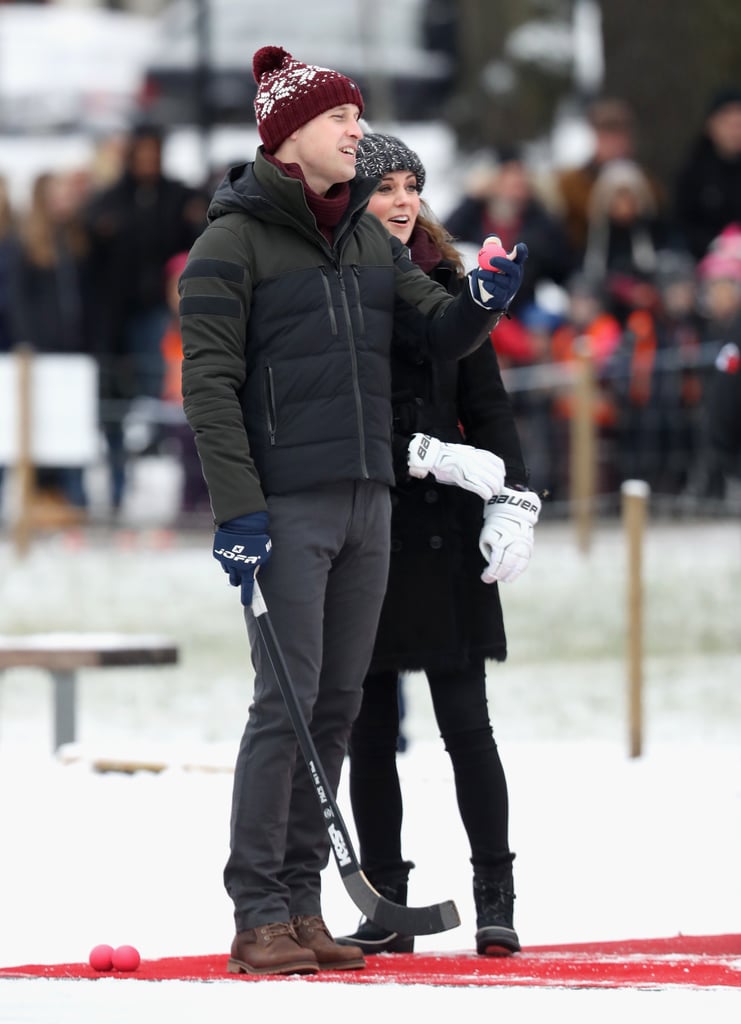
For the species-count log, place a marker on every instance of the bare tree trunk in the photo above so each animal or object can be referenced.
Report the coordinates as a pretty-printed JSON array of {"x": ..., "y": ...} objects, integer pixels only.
[{"x": 666, "y": 57}]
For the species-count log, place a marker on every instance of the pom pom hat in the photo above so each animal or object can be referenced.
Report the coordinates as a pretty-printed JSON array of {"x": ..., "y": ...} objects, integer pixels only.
[
  {"x": 723, "y": 258},
  {"x": 290, "y": 93}
]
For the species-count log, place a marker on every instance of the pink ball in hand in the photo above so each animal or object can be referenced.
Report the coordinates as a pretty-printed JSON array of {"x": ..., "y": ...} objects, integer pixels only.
[{"x": 488, "y": 250}]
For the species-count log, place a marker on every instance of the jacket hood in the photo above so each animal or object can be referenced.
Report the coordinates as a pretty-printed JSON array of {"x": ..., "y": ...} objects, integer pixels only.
[
  {"x": 258, "y": 188},
  {"x": 237, "y": 190}
]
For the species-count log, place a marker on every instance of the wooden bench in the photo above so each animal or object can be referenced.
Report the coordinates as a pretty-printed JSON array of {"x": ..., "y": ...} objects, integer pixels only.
[{"x": 64, "y": 654}]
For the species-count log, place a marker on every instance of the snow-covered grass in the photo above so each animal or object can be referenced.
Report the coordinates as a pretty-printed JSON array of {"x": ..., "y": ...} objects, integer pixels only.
[{"x": 566, "y": 618}]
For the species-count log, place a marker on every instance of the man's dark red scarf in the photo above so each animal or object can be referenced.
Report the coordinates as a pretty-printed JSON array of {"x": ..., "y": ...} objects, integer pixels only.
[{"x": 329, "y": 209}]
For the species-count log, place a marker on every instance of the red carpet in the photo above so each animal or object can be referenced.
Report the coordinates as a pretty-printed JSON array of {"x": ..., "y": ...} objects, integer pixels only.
[{"x": 700, "y": 961}]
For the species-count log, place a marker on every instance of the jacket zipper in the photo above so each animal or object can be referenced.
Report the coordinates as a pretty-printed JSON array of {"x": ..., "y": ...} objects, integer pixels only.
[
  {"x": 354, "y": 363},
  {"x": 356, "y": 281},
  {"x": 270, "y": 410},
  {"x": 328, "y": 297}
]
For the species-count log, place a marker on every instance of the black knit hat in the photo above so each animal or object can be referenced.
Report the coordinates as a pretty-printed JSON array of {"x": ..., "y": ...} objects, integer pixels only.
[{"x": 380, "y": 154}]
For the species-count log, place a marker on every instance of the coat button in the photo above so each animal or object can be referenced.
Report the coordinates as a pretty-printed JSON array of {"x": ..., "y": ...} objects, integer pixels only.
[
  {"x": 431, "y": 497},
  {"x": 395, "y": 546},
  {"x": 436, "y": 543}
]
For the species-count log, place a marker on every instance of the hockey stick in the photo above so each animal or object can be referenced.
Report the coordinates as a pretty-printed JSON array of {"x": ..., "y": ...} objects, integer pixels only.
[{"x": 438, "y": 917}]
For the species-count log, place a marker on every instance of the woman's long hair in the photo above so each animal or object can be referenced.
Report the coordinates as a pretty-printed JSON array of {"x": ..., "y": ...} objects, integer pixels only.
[
  {"x": 428, "y": 222},
  {"x": 44, "y": 230}
]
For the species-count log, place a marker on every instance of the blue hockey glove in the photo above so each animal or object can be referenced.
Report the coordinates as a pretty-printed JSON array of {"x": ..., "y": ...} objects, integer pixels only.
[
  {"x": 242, "y": 545},
  {"x": 494, "y": 289}
]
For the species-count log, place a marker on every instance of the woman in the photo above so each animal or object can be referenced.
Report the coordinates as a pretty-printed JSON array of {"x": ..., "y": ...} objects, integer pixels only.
[
  {"x": 438, "y": 615},
  {"x": 51, "y": 312},
  {"x": 626, "y": 231}
]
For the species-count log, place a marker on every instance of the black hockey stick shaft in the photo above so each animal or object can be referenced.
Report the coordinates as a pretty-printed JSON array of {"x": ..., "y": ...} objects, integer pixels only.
[{"x": 438, "y": 917}]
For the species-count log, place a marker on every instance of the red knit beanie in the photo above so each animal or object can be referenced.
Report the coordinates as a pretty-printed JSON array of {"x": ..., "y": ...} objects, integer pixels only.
[{"x": 290, "y": 93}]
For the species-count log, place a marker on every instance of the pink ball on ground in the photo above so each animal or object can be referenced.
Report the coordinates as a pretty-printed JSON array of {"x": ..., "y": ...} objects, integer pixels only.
[
  {"x": 126, "y": 958},
  {"x": 101, "y": 958}
]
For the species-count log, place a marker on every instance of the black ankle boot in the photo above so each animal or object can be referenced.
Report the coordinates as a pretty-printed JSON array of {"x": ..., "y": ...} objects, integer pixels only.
[
  {"x": 494, "y": 896},
  {"x": 370, "y": 937}
]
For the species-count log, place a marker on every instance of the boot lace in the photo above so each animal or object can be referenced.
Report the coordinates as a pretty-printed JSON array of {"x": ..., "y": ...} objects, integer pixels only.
[
  {"x": 313, "y": 922},
  {"x": 276, "y": 929}
]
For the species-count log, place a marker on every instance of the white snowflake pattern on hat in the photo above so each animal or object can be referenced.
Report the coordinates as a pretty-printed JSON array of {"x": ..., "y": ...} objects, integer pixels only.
[
  {"x": 291, "y": 93},
  {"x": 288, "y": 82}
]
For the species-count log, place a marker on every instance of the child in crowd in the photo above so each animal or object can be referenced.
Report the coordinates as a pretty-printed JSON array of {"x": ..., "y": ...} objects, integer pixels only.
[
  {"x": 719, "y": 278},
  {"x": 177, "y": 433}
]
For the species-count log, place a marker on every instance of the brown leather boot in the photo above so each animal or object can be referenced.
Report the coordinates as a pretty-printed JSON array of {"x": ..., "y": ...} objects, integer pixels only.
[
  {"x": 313, "y": 934},
  {"x": 270, "y": 949}
]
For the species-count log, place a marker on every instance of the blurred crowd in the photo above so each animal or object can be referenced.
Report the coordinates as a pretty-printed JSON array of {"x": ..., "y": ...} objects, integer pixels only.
[
  {"x": 91, "y": 267},
  {"x": 648, "y": 277},
  {"x": 640, "y": 276}
]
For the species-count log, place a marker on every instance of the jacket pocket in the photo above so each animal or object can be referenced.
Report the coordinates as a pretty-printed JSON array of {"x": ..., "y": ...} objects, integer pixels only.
[
  {"x": 271, "y": 413},
  {"x": 358, "y": 303},
  {"x": 328, "y": 297}
]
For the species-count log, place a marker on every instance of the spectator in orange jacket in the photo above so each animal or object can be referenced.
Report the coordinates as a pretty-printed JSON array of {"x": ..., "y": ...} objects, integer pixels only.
[{"x": 194, "y": 500}]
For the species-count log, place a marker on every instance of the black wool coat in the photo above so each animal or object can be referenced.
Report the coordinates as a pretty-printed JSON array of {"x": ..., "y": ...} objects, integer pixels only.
[
  {"x": 707, "y": 195},
  {"x": 437, "y": 613}
]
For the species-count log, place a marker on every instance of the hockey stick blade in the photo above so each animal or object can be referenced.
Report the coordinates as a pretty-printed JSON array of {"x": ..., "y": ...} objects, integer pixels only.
[{"x": 438, "y": 917}]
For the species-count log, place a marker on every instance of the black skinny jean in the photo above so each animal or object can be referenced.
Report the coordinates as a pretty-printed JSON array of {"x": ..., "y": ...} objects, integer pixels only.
[{"x": 462, "y": 714}]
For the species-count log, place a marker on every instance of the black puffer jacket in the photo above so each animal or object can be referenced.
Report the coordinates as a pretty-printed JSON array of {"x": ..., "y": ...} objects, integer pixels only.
[
  {"x": 437, "y": 612},
  {"x": 134, "y": 227},
  {"x": 286, "y": 339}
]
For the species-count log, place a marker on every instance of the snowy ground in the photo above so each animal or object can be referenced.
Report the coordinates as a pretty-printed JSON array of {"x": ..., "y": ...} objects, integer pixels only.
[{"x": 608, "y": 846}]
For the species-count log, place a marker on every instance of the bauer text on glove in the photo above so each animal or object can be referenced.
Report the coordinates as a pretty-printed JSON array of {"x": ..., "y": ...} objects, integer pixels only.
[
  {"x": 506, "y": 539},
  {"x": 473, "y": 469},
  {"x": 494, "y": 289},
  {"x": 242, "y": 545}
]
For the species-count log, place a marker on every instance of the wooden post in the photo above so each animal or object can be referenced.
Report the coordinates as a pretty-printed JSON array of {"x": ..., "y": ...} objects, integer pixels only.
[
  {"x": 24, "y": 465},
  {"x": 583, "y": 448},
  {"x": 634, "y": 498}
]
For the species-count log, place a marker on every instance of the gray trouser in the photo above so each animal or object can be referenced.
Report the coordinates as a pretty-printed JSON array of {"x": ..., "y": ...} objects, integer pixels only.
[{"x": 323, "y": 586}]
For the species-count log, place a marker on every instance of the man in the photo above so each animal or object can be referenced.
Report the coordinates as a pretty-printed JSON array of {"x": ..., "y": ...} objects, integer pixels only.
[
  {"x": 288, "y": 303},
  {"x": 707, "y": 189},
  {"x": 136, "y": 225}
]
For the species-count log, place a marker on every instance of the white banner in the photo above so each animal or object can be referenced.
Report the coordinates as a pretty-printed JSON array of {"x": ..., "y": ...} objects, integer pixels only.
[{"x": 63, "y": 412}]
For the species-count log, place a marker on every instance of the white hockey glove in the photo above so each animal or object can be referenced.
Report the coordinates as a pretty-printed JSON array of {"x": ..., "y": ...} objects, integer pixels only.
[
  {"x": 506, "y": 539},
  {"x": 473, "y": 469}
]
